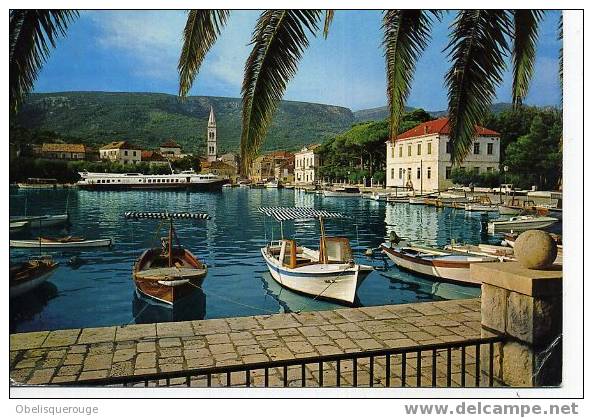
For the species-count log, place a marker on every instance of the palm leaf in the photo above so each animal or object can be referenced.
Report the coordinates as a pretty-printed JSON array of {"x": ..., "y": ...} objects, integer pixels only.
[
  {"x": 526, "y": 24},
  {"x": 279, "y": 40},
  {"x": 477, "y": 49},
  {"x": 561, "y": 55},
  {"x": 406, "y": 35},
  {"x": 200, "y": 33},
  {"x": 32, "y": 32},
  {"x": 329, "y": 17}
]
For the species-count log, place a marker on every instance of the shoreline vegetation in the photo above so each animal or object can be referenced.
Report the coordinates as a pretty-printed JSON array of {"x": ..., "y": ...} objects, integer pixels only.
[{"x": 531, "y": 140}]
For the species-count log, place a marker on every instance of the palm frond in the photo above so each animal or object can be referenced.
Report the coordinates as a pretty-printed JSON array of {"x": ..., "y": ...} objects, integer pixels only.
[
  {"x": 477, "y": 49},
  {"x": 526, "y": 25},
  {"x": 32, "y": 33},
  {"x": 406, "y": 35},
  {"x": 200, "y": 33},
  {"x": 279, "y": 39},
  {"x": 329, "y": 18}
]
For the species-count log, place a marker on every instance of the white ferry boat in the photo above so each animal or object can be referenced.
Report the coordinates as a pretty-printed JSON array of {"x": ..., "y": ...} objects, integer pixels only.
[{"x": 186, "y": 180}]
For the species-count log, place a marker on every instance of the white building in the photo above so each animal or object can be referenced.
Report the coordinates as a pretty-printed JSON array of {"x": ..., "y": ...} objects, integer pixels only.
[
  {"x": 122, "y": 152},
  {"x": 421, "y": 156},
  {"x": 306, "y": 165},
  {"x": 212, "y": 146},
  {"x": 170, "y": 149}
]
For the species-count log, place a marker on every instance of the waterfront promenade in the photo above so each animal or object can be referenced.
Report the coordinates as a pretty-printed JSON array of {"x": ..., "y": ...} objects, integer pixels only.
[{"x": 54, "y": 357}]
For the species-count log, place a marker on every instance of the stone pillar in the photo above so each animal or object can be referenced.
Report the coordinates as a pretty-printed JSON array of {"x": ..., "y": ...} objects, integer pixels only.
[{"x": 525, "y": 307}]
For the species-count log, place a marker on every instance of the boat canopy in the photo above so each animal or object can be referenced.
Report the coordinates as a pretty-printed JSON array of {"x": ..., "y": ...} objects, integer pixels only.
[
  {"x": 166, "y": 215},
  {"x": 292, "y": 213}
]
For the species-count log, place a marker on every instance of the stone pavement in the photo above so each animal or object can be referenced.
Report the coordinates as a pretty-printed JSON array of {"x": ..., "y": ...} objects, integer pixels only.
[{"x": 52, "y": 357}]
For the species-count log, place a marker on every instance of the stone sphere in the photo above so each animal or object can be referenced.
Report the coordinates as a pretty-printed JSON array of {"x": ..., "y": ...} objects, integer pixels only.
[{"x": 535, "y": 249}]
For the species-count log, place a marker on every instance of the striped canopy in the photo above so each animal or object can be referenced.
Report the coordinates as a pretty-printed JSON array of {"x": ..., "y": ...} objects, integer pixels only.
[
  {"x": 166, "y": 215},
  {"x": 285, "y": 213}
]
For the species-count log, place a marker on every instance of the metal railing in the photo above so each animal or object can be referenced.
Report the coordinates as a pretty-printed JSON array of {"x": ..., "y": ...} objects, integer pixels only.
[{"x": 461, "y": 365}]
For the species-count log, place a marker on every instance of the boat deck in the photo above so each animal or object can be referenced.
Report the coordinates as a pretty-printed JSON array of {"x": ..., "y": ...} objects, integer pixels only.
[{"x": 45, "y": 357}]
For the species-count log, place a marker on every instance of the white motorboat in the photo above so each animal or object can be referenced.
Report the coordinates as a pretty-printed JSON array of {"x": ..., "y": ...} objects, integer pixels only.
[
  {"x": 41, "y": 221},
  {"x": 379, "y": 196},
  {"x": 65, "y": 242},
  {"x": 520, "y": 223},
  {"x": 500, "y": 252},
  {"x": 440, "y": 264},
  {"x": 186, "y": 180},
  {"x": 27, "y": 276},
  {"x": 273, "y": 184},
  {"x": 416, "y": 200},
  {"x": 348, "y": 191},
  {"x": 328, "y": 273}
]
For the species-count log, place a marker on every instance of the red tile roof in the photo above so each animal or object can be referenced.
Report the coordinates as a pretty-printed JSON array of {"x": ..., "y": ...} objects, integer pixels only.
[
  {"x": 152, "y": 156},
  {"x": 440, "y": 126},
  {"x": 80, "y": 148},
  {"x": 170, "y": 143}
]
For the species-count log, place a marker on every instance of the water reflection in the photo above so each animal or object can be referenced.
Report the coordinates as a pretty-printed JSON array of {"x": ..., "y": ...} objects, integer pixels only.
[
  {"x": 29, "y": 305},
  {"x": 191, "y": 307}
]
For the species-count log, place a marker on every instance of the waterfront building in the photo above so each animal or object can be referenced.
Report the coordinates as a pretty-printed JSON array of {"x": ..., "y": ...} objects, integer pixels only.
[
  {"x": 212, "y": 154},
  {"x": 170, "y": 149},
  {"x": 68, "y": 152},
  {"x": 420, "y": 158},
  {"x": 122, "y": 152},
  {"x": 230, "y": 159},
  {"x": 219, "y": 168},
  {"x": 274, "y": 165},
  {"x": 154, "y": 158},
  {"x": 307, "y": 164}
]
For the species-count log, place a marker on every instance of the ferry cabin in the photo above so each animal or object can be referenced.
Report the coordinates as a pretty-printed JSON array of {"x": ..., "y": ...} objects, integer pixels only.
[{"x": 421, "y": 157}]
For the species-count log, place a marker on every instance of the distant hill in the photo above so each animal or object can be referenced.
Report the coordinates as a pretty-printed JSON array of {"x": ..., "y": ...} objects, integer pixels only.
[
  {"x": 149, "y": 118},
  {"x": 380, "y": 113}
]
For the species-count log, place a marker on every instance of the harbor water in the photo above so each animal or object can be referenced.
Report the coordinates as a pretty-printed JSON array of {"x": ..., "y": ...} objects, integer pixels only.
[{"x": 95, "y": 287}]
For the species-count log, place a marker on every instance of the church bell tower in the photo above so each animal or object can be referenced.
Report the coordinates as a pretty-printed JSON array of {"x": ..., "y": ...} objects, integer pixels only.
[{"x": 212, "y": 149}]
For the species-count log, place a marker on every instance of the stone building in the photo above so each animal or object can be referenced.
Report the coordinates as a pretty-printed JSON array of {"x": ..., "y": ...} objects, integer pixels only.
[
  {"x": 122, "y": 152},
  {"x": 69, "y": 152},
  {"x": 154, "y": 158},
  {"x": 421, "y": 157},
  {"x": 219, "y": 168},
  {"x": 170, "y": 149}
]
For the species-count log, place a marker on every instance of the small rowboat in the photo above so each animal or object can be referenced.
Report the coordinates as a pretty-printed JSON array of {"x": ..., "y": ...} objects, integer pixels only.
[
  {"x": 440, "y": 264},
  {"x": 41, "y": 221},
  {"x": 342, "y": 192},
  {"x": 167, "y": 274},
  {"x": 521, "y": 223},
  {"x": 30, "y": 274},
  {"x": 18, "y": 225},
  {"x": 65, "y": 242}
]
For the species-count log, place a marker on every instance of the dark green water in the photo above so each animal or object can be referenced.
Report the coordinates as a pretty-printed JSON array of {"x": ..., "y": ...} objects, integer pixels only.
[{"x": 99, "y": 291}]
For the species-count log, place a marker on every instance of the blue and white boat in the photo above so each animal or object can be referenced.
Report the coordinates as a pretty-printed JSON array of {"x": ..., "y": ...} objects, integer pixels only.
[{"x": 327, "y": 273}]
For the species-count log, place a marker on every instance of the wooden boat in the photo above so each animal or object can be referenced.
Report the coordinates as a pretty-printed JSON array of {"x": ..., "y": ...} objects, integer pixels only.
[
  {"x": 500, "y": 252},
  {"x": 481, "y": 204},
  {"x": 348, "y": 191},
  {"x": 416, "y": 200},
  {"x": 398, "y": 199},
  {"x": 42, "y": 221},
  {"x": 520, "y": 223},
  {"x": 327, "y": 273},
  {"x": 440, "y": 264},
  {"x": 167, "y": 274},
  {"x": 517, "y": 207},
  {"x": 39, "y": 183},
  {"x": 27, "y": 276},
  {"x": 379, "y": 196},
  {"x": 64, "y": 242}
]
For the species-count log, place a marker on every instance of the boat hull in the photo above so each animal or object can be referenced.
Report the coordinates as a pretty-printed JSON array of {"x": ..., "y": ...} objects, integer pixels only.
[
  {"x": 41, "y": 221},
  {"x": 335, "y": 282},
  {"x": 169, "y": 288},
  {"x": 453, "y": 271},
  {"x": 329, "y": 193},
  {"x": 508, "y": 226},
  {"x": 56, "y": 244},
  {"x": 193, "y": 187},
  {"x": 20, "y": 287}
]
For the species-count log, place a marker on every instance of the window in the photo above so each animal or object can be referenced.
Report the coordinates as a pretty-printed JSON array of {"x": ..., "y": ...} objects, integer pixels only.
[
  {"x": 134, "y": 153},
  {"x": 126, "y": 153},
  {"x": 418, "y": 173},
  {"x": 428, "y": 173},
  {"x": 429, "y": 148},
  {"x": 476, "y": 148},
  {"x": 392, "y": 152},
  {"x": 419, "y": 149},
  {"x": 477, "y": 170},
  {"x": 490, "y": 149},
  {"x": 392, "y": 173},
  {"x": 489, "y": 169},
  {"x": 401, "y": 151},
  {"x": 448, "y": 147},
  {"x": 401, "y": 170},
  {"x": 448, "y": 172},
  {"x": 409, "y": 150}
]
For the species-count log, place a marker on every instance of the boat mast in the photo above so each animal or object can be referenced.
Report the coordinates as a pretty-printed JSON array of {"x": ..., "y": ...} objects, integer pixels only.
[
  {"x": 170, "y": 242},
  {"x": 322, "y": 253}
]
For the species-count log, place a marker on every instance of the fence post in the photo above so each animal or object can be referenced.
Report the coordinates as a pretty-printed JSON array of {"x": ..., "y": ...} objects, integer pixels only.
[{"x": 525, "y": 307}]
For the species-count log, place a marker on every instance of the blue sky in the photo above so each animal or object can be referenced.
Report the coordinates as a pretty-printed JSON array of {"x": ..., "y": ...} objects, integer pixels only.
[{"x": 138, "y": 51}]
